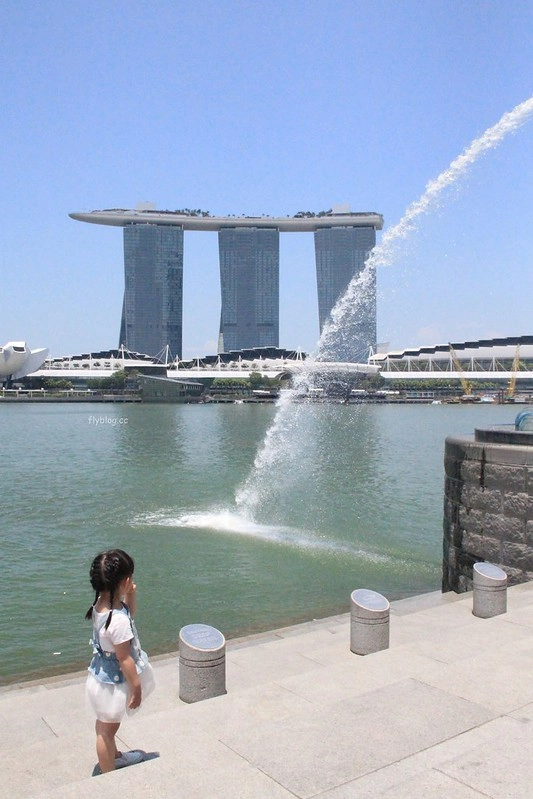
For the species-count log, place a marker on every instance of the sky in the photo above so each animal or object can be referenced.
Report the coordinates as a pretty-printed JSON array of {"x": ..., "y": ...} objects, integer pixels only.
[{"x": 270, "y": 108}]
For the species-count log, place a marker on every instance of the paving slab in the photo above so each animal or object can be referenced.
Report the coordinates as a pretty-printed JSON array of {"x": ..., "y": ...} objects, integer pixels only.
[
  {"x": 524, "y": 713},
  {"x": 407, "y": 778},
  {"x": 496, "y": 762},
  {"x": 419, "y": 602},
  {"x": 354, "y": 736},
  {"x": 195, "y": 764},
  {"x": 358, "y": 675},
  {"x": 501, "y": 681},
  {"x": 38, "y": 765},
  {"x": 401, "y": 784},
  {"x": 266, "y": 662},
  {"x": 194, "y": 774},
  {"x": 214, "y": 718},
  {"x": 457, "y": 642}
]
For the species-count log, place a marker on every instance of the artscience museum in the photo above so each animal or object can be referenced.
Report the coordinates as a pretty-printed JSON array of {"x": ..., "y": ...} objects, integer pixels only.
[{"x": 17, "y": 360}]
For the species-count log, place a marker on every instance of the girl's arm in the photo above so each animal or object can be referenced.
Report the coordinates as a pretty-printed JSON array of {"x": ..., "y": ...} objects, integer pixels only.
[{"x": 127, "y": 666}]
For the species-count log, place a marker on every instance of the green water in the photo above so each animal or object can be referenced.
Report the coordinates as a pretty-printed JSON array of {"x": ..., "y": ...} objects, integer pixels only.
[{"x": 354, "y": 501}]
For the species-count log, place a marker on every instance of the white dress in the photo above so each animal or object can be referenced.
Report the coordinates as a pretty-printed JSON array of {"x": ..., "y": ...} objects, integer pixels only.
[{"x": 108, "y": 700}]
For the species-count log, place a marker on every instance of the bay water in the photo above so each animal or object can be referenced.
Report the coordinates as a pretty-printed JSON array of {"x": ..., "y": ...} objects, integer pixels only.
[{"x": 357, "y": 503}]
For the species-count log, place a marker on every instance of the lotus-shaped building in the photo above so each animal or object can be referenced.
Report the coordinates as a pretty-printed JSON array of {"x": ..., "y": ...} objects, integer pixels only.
[{"x": 17, "y": 360}]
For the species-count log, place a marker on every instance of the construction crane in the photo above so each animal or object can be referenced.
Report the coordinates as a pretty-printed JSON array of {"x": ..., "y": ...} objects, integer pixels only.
[
  {"x": 466, "y": 384},
  {"x": 511, "y": 386}
]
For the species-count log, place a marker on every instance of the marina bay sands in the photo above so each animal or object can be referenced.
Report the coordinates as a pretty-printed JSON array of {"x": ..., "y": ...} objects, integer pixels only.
[{"x": 152, "y": 312}]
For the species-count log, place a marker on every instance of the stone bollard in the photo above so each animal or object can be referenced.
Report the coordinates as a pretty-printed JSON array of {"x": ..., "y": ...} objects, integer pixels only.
[
  {"x": 490, "y": 590},
  {"x": 369, "y": 629},
  {"x": 202, "y": 663}
]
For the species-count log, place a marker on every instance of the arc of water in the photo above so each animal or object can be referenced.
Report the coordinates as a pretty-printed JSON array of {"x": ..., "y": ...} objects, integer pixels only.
[
  {"x": 383, "y": 253},
  {"x": 491, "y": 138},
  {"x": 274, "y": 445}
]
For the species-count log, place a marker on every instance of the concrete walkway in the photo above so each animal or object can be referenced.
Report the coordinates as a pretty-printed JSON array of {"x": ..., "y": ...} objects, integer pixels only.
[{"x": 447, "y": 711}]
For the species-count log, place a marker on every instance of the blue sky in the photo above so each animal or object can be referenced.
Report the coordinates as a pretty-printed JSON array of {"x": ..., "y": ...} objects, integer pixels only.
[{"x": 271, "y": 107}]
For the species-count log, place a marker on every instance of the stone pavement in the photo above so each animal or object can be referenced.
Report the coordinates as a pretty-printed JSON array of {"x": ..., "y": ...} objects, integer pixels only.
[{"x": 446, "y": 711}]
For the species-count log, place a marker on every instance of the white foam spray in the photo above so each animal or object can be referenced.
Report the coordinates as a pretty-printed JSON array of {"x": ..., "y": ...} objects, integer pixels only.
[
  {"x": 277, "y": 445},
  {"x": 228, "y": 522}
]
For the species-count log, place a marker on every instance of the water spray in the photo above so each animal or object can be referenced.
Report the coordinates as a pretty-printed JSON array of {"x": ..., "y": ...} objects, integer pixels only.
[{"x": 275, "y": 446}]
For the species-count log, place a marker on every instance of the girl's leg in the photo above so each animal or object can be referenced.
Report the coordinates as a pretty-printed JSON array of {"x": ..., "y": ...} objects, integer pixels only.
[{"x": 105, "y": 745}]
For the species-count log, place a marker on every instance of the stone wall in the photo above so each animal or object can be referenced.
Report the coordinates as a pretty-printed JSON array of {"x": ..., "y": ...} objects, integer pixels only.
[{"x": 488, "y": 506}]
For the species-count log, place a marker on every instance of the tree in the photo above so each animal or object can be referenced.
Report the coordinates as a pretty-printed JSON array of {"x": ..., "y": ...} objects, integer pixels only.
[
  {"x": 257, "y": 380},
  {"x": 57, "y": 384},
  {"x": 230, "y": 382},
  {"x": 115, "y": 382}
]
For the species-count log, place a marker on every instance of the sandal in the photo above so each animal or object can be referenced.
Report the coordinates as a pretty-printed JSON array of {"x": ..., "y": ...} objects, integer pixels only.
[{"x": 128, "y": 758}]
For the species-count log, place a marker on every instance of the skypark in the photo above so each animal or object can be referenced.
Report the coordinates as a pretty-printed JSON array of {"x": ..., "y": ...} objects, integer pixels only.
[{"x": 121, "y": 217}]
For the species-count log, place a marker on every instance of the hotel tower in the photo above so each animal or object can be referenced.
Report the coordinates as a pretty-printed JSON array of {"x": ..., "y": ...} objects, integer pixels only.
[{"x": 152, "y": 310}]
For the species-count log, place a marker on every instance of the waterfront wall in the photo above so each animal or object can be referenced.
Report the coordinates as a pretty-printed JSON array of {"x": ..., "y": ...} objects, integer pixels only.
[{"x": 488, "y": 506}]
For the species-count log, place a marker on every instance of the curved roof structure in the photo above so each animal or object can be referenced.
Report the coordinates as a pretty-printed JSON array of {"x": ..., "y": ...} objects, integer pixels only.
[
  {"x": 120, "y": 217},
  {"x": 485, "y": 359},
  {"x": 497, "y": 348},
  {"x": 271, "y": 361}
]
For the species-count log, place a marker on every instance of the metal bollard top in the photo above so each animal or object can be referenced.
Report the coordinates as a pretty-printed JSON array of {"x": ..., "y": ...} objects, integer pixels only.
[
  {"x": 369, "y": 600},
  {"x": 202, "y": 637},
  {"x": 489, "y": 571}
]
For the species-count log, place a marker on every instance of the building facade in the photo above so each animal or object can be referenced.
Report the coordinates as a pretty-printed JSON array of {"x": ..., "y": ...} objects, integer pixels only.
[
  {"x": 152, "y": 311},
  {"x": 340, "y": 255},
  {"x": 249, "y": 283},
  {"x": 249, "y": 275}
]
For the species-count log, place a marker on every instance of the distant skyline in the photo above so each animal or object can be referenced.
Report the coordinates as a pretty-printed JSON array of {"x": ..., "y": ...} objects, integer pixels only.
[{"x": 269, "y": 109}]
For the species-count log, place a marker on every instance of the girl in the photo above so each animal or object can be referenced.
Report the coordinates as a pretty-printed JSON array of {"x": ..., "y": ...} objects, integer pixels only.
[{"x": 120, "y": 676}]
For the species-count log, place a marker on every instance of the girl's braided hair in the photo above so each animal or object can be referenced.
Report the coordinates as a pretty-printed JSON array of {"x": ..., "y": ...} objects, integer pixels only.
[{"x": 108, "y": 569}]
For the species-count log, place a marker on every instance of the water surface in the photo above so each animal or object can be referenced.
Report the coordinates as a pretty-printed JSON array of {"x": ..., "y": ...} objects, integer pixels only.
[{"x": 355, "y": 501}]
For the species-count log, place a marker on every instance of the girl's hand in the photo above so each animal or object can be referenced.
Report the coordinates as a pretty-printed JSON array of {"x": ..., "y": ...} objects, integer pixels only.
[
  {"x": 130, "y": 588},
  {"x": 135, "y": 697},
  {"x": 130, "y": 595}
]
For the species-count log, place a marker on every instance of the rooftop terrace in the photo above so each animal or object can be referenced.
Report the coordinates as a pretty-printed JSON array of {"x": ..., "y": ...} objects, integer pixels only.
[{"x": 304, "y": 221}]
